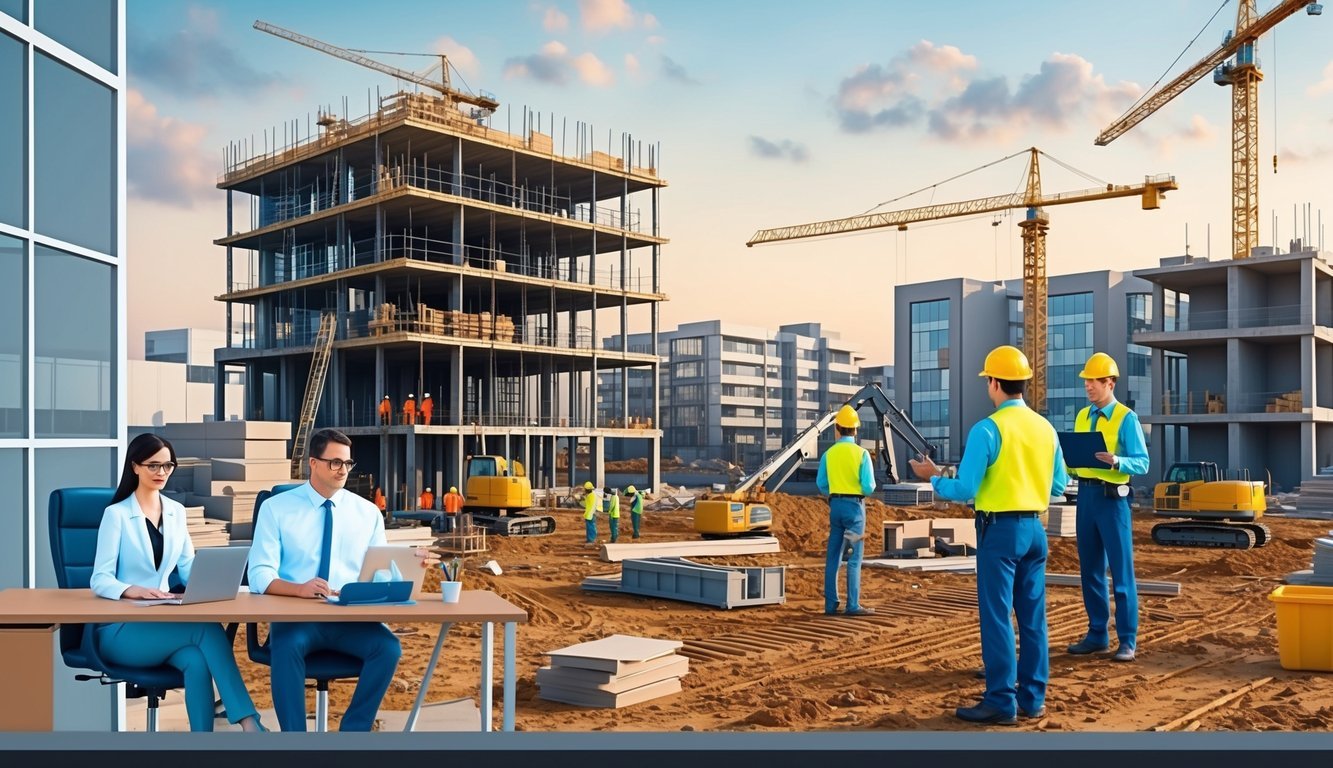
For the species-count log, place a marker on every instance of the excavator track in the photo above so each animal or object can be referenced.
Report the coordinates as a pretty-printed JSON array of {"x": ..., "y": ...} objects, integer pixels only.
[
  {"x": 1261, "y": 533},
  {"x": 1211, "y": 535},
  {"x": 518, "y": 525}
]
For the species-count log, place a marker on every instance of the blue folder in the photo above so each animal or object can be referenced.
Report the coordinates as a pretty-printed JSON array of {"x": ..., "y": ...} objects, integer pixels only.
[
  {"x": 374, "y": 593},
  {"x": 1080, "y": 449}
]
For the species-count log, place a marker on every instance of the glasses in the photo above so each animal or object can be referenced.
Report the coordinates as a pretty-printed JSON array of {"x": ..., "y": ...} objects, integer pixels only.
[
  {"x": 337, "y": 465},
  {"x": 159, "y": 468}
]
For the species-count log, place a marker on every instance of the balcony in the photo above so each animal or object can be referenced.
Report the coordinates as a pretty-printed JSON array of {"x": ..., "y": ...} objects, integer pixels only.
[{"x": 1206, "y": 402}]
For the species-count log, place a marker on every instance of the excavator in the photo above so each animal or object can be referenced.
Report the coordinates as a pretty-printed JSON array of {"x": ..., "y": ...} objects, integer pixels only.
[
  {"x": 1208, "y": 510},
  {"x": 744, "y": 511},
  {"x": 499, "y": 496}
]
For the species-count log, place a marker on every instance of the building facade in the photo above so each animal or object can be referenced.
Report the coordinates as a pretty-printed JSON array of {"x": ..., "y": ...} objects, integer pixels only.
[
  {"x": 62, "y": 284},
  {"x": 456, "y": 260},
  {"x": 945, "y": 328},
  {"x": 175, "y": 382},
  {"x": 1242, "y": 363}
]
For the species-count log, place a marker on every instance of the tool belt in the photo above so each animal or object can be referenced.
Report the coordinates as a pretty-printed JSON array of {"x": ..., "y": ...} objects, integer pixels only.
[{"x": 1109, "y": 490}]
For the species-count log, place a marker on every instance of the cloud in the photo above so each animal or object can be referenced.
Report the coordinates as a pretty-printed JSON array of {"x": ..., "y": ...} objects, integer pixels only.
[
  {"x": 1309, "y": 155},
  {"x": 554, "y": 20},
  {"x": 165, "y": 161},
  {"x": 1325, "y": 84},
  {"x": 786, "y": 149},
  {"x": 606, "y": 15},
  {"x": 1197, "y": 131},
  {"x": 194, "y": 60},
  {"x": 631, "y": 64},
  {"x": 937, "y": 86},
  {"x": 553, "y": 64},
  {"x": 460, "y": 56},
  {"x": 676, "y": 72}
]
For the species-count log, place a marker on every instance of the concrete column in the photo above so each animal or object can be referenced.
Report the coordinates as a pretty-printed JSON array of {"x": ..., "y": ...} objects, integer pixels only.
[
  {"x": 655, "y": 463},
  {"x": 597, "y": 460},
  {"x": 1309, "y": 455},
  {"x": 412, "y": 472}
]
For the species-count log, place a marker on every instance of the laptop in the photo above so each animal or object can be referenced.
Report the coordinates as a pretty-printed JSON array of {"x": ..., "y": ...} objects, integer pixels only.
[
  {"x": 409, "y": 565},
  {"x": 215, "y": 576}
]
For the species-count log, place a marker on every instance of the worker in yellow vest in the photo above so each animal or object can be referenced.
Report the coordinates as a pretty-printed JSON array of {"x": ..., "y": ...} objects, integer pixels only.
[
  {"x": 1103, "y": 519},
  {"x": 591, "y": 501},
  {"x": 635, "y": 508},
  {"x": 611, "y": 504},
  {"x": 1012, "y": 465},
  {"x": 846, "y": 476}
]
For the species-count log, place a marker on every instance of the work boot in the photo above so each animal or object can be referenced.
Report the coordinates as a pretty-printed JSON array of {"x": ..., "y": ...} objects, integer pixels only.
[
  {"x": 1026, "y": 715},
  {"x": 862, "y": 611},
  {"x": 1124, "y": 653},
  {"x": 1086, "y": 646},
  {"x": 985, "y": 714}
]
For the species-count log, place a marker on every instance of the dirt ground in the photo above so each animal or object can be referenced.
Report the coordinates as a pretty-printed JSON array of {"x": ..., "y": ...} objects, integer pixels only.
[{"x": 906, "y": 668}]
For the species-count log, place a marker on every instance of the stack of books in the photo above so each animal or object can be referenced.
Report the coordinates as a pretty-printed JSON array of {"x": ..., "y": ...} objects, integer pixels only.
[{"x": 613, "y": 672}]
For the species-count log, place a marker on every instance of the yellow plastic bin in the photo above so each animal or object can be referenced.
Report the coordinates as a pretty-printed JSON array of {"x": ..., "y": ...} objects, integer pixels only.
[{"x": 1304, "y": 627}]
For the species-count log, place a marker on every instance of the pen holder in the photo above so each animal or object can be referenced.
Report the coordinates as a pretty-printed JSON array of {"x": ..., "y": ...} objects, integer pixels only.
[{"x": 450, "y": 591}]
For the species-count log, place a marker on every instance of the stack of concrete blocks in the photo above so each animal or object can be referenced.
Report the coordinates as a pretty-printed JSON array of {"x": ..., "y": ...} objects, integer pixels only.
[
  {"x": 224, "y": 464},
  {"x": 1320, "y": 572},
  {"x": 926, "y": 538},
  {"x": 1061, "y": 520},
  {"x": 613, "y": 672}
]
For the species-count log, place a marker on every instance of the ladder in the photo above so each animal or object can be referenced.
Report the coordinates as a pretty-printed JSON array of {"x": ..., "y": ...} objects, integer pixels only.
[{"x": 314, "y": 389}]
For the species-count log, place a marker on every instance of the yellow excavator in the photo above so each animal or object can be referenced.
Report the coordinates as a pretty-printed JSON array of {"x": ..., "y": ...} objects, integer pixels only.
[
  {"x": 1209, "y": 511},
  {"x": 744, "y": 511},
  {"x": 499, "y": 497}
]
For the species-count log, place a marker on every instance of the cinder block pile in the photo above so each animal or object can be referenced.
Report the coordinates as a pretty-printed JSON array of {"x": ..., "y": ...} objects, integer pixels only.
[{"x": 224, "y": 464}]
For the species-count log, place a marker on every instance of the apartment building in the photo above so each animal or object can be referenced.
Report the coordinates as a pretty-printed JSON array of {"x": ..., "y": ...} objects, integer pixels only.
[{"x": 176, "y": 380}]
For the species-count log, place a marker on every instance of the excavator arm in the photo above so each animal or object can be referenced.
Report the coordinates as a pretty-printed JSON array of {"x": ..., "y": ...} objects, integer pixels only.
[{"x": 892, "y": 419}]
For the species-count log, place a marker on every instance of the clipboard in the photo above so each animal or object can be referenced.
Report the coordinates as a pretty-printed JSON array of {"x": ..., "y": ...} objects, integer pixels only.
[{"x": 1080, "y": 449}]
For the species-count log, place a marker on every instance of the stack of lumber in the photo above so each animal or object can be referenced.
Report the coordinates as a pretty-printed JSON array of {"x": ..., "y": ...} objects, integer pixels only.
[
  {"x": 1287, "y": 402},
  {"x": 203, "y": 531},
  {"x": 613, "y": 672},
  {"x": 748, "y": 545}
]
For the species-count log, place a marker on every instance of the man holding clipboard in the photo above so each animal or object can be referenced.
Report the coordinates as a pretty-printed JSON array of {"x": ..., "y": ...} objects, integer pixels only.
[{"x": 1105, "y": 535}]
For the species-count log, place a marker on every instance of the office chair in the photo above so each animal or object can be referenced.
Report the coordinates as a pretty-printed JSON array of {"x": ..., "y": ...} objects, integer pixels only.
[
  {"x": 321, "y": 666},
  {"x": 74, "y": 517}
]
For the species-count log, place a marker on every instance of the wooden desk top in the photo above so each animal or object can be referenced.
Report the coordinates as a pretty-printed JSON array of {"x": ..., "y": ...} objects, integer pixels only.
[{"x": 81, "y": 606}]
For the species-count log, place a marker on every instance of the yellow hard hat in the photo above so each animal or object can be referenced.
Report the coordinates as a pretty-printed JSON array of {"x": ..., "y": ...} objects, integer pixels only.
[
  {"x": 1008, "y": 363},
  {"x": 630, "y": 490},
  {"x": 587, "y": 486},
  {"x": 453, "y": 489},
  {"x": 1100, "y": 366},
  {"x": 847, "y": 418}
]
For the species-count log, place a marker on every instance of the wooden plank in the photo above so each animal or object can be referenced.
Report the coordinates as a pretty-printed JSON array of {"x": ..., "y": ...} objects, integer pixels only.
[
  {"x": 1214, "y": 704},
  {"x": 1143, "y": 586},
  {"x": 614, "y": 553}
]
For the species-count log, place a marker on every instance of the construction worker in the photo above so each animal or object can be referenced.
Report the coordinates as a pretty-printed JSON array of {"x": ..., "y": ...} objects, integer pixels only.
[
  {"x": 427, "y": 500},
  {"x": 453, "y": 504},
  {"x": 590, "y": 503},
  {"x": 611, "y": 505},
  {"x": 427, "y": 408},
  {"x": 410, "y": 410},
  {"x": 1103, "y": 518},
  {"x": 386, "y": 410},
  {"x": 635, "y": 508},
  {"x": 380, "y": 501},
  {"x": 1012, "y": 465},
  {"x": 846, "y": 477}
]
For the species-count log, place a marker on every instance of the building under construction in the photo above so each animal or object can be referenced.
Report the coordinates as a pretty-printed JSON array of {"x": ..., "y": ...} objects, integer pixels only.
[{"x": 420, "y": 254}]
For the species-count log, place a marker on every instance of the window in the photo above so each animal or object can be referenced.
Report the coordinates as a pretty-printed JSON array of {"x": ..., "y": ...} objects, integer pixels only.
[
  {"x": 691, "y": 347},
  {"x": 689, "y": 370},
  {"x": 737, "y": 390},
  {"x": 65, "y": 468},
  {"x": 87, "y": 27},
  {"x": 199, "y": 374},
  {"x": 75, "y": 349},
  {"x": 689, "y": 393},
  {"x": 19, "y": 10},
  {"x": 13, "y": 132},
  {"x": 14, "y": 545},
  {"x": 1135, "y": 387},
  {"x": 74, "y": 172},
  {"x": 742, "y": 346},
  {"x": 1069, "y": 341},
  {"x": 13, "y": 342},
  {"x": 742, "y": 369}
]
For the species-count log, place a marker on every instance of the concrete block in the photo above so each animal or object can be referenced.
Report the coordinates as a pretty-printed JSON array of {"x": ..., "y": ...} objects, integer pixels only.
[
  {"x": 907, "y": 534},
  {"x": 247, "y": 449},
  {"x": 238, "y": 487},
  {"x": 190, "y": 447},
  {"x": 183, "y": 431},
  {"x": 956, "y": 530},
  {"x": 276, "y": 470},
  {"x": 203, "y": 478},
  {"x": 249, "y": 430}
]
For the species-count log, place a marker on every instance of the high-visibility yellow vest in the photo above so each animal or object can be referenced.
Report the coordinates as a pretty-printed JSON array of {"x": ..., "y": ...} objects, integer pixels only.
[
  {"x": 1110, "y": 429},
  {"x": 636, "y": 505},
  {"x": 589, "y": 505},
  {"x": 842, "y": 464},
  {"x": 1020, "y": 479},
  {"x": 613, "y": 506}
]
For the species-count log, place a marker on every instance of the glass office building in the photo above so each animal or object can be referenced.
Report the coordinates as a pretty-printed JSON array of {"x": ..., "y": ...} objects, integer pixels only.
[
  {"x": 930, "y": 372},
  {"x": 62, "y": 279}
]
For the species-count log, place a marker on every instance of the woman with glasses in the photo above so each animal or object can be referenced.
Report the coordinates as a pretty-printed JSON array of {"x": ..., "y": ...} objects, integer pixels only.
[{"x": 141, "y": 541}]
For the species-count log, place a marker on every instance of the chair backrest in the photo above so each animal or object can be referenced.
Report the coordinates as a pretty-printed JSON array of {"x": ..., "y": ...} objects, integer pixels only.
[
  {"x": 74, "y": 515},
  {"x": 259, "y": 651}
]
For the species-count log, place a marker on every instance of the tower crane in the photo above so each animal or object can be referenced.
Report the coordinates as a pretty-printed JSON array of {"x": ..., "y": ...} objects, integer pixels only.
[
  {"x": 1033, "y": 226},
  {"x": 485, "y": 103},
  {"x": 1232, "y": 63}
]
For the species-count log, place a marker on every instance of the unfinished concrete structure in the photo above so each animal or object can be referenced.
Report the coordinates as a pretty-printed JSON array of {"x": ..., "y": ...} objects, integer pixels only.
[{"x": 459, "y": 261}]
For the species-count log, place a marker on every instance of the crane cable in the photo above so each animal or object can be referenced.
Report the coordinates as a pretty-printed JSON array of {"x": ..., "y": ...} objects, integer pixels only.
[
  {"x": 1179, "y": 56},
  {"x": 946, "y": 181}
]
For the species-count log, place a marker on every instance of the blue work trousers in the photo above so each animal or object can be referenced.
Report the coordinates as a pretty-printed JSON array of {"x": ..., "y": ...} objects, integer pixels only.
[
  {"x": 200, "y": 651},
  {"x": 1105, "y": 538},
  {"x": 635, "y": 521},
  {"x": 845, "y": 516},
  {"x": 615, "y": 529},
  {"x": 1011, "y": 579},
  {"x": 291, "y": 642},
  {"x": 590, "y": 527}
]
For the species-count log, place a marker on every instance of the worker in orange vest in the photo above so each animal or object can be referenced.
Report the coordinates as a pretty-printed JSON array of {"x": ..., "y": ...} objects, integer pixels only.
[
  {"x": 379, "y": 499},
  {"x": 427, "y": 408},
  {"x": 427, "y": 500},
  {"x": 410, "y": 410},
  {"x": 453, "y": 505},
  {"x": 386, "y": 410}
]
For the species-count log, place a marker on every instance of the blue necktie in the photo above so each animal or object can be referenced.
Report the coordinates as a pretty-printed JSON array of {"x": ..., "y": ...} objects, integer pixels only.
[{"x": 326, "y": 546}]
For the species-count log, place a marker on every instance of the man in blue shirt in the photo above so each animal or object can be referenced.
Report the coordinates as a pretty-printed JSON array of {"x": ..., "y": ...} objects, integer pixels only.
[
  {"x": 846, "y": 477},
  {"x": 1105, "y": 534},
  {"x": 308, "y": 543}
]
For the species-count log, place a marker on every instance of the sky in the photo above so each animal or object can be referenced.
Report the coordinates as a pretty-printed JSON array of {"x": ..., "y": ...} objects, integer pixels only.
[{"x": 767, "y": 114}]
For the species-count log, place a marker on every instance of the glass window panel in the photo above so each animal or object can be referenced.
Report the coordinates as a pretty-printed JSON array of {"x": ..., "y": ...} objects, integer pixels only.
[
  {"x": 74, "y": 349},
  {"x": 13, "y": 131},
  {"x": 86, "y": 26},
  {"x": 13, "y": 342},
  {"x": 16, "y": 8},
  {"x": 74, "y": 138},
  {"x": 64, "y": 468},
  {"x": 14, "y": 521}
]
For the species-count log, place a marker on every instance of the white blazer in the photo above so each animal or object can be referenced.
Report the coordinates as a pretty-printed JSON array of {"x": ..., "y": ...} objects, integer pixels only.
[{"x": 125, "y": 554}]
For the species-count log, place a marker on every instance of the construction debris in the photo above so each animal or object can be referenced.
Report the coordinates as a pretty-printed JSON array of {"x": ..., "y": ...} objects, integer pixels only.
[
  {"x": 613, "y": 672},
  {"x": 676, "y": 578},
  {"x": 923, "y": 538},
  {"x": 1315, "y": 499},
  {"x": 750, "y": 545}
]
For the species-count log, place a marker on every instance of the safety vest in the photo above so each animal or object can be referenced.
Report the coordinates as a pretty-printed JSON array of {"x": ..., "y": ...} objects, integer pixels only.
[
  {"x": 1110, "y": 429},
  {"x": 589, "y": 505},
  {"x": 613, "y": 506},
  {"x": 842, "y": 465},
  {"x": 1020, "y": 479},
  {"x": 636, "y": 505},
  {"x": 453, "y": 503}
]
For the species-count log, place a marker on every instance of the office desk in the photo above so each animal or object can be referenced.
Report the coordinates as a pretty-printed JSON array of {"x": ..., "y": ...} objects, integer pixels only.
[{"x": 29, "y": 618}]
